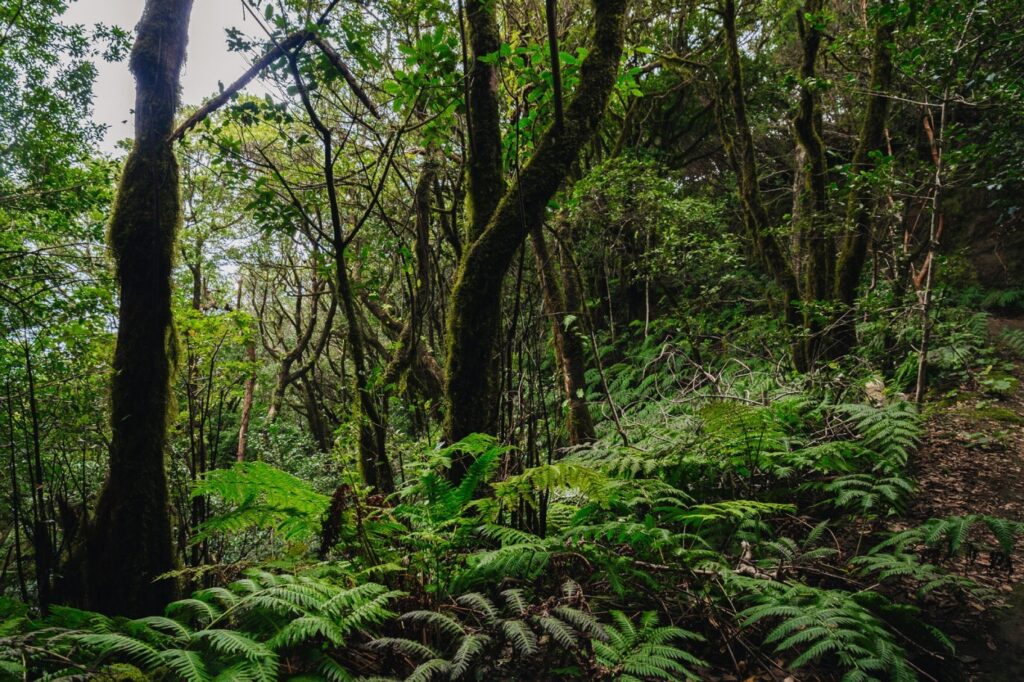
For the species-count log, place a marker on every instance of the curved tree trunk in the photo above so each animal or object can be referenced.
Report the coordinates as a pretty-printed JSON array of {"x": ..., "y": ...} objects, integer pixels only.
[
  {"x": 859, "y": 208},
  {"x": 475, "y": 317},
  {"x": 130, "y": 537}
]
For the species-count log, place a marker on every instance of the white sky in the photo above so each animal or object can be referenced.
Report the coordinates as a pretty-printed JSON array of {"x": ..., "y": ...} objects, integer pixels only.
[{"x": 208, "y": 57}]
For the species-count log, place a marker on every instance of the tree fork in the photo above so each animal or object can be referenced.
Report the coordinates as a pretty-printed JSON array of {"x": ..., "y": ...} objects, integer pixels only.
[{"x": 475, "y": 317}]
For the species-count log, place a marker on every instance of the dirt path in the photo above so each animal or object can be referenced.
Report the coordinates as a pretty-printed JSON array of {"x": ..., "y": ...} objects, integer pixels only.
[{"x": 972, "y": 462}]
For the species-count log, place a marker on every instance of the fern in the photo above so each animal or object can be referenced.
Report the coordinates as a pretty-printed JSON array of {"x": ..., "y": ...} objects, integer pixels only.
[
  {"x": 244, "y": 627},
  {"x": 818, "y": 624},
  {"x": 868, "y": 494},
  {"x": 483, "y": 635},
  {"x": 892, "y": 431},
  {"x": 955, "y": 535},
  {"x": 1013, "y": 340},
  {"x": 187, "y": 666},
  {"x": 646, "y": 651},
  {"x": 260, "y": 496},
  {"x": 909, "y": 567}
]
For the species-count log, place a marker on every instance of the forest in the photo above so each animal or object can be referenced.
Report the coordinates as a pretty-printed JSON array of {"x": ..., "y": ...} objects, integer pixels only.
[{"x": 621, "y": 340}]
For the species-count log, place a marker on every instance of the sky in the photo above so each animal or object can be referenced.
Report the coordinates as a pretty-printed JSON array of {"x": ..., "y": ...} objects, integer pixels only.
[{"x": 208, "y": 58}]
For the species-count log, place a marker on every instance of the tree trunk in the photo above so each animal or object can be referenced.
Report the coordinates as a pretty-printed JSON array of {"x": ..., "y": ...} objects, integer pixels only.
[
  {"x": 250, "y": 388},
  {"x": 475, "y": 318},
  {"x": 739, "y": 147},
  {"x": 130, "y": 538},
  {"x": 485, "y": 181},
  {"x": 568, "y": 350},
  {"x": 816, "y": 241},
  {"x": 859, "y": 208}
]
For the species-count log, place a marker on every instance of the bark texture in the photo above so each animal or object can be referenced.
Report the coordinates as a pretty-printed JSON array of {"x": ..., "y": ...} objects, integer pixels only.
[
  {"x": 130, "y": 537},
  {"x": 475, "y": 317},
  {"x": 579, "y": 424},
  {"x": 815, "y": 238}
]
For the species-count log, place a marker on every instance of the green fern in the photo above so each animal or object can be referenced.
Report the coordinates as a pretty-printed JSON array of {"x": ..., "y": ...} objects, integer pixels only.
[
  {"x": 867, "y": 494},
  {"x": 483, "y": 635},
  {"x": 956, "y": 535},
  {"x": 242, "y": 630},
  {"x": 818, "y": 624},
  {"x": 1013, "y": 340},
  {"x": 634, "y": 652},
  {"x": 892, "y": 431},
  {"x": 260, "y": 496}
]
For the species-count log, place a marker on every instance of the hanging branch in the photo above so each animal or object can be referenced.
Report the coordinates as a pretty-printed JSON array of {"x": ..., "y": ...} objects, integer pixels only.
[{"x": 293, "y": 43}]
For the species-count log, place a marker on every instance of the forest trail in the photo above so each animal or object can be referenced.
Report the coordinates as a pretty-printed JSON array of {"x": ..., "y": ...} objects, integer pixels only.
[{"x": 972, "y": 462}]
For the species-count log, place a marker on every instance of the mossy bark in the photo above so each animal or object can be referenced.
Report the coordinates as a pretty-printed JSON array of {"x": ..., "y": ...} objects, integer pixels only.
[
  {"x": 817, "y": 244},
  {"x": 739, "y": 147},
  {"x": 828, "y": 280},
  {"x": 579, "y": 423},
  {"x": 129, "y": 543},
  {"x": 859, "y": 207},
  {"x": 485, "y": 181},
  {"x": 475, "y": 317}
]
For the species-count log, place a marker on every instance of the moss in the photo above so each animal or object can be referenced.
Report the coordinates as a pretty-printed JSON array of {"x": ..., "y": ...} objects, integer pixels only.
[
  {"x": 996, "y": 414},
  {"x": 129, "y": 544},
  {"x": 485, "y": 181},
  {"x": 120, "y": 672},
  {"x": 475, "y": 317}
]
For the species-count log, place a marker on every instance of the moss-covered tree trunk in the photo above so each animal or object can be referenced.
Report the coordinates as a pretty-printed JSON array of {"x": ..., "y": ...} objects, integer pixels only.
[
  {"x": 815, "y": 238},
  {"x": 475, "y": 317},
  {"x": 579, "y": 423},
  {"x": 738, "y": 141},
  {"x": 129, "y": 543},
  {"x": 860, "y": 213},
  {"x": 829, "y": 280},
  {"x": 485, "y": 180}
]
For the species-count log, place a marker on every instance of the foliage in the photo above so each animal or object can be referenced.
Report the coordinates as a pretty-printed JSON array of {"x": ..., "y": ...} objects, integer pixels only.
[
  {"x": 238, "y": 632},
  {"x": 645, "y": 650},
  {"x": 260, "y": 496},
  {"x": 819, "y": 623}
]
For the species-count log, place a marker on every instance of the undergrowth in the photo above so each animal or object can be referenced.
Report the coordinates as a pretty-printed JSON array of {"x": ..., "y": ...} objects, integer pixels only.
[{"x": 721, "y": 515}]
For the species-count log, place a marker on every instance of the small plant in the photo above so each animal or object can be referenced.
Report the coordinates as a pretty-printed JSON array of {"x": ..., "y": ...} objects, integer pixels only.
[
  {"x": 641, "y": 651},
  {"x": 239, "y": 632},
  {"x": 818, "y": 624}
]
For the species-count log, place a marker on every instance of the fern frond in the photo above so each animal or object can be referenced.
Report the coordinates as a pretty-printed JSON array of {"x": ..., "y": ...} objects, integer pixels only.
[{"x": 188, "y": 666}]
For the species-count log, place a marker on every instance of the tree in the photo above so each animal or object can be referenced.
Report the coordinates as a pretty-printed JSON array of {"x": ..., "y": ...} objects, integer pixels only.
[
  {"x": 129, "y": 544},
  {"x": 474, "y": 319},
  {"x": 819, "y": 305}
]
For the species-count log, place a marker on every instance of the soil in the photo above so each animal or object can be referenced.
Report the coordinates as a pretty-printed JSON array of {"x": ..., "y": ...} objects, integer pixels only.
[{"x": 972, "y": 462}]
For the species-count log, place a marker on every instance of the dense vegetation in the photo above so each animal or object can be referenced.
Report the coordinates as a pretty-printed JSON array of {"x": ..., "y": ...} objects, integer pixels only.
[{"x": 587, "y": 341}]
